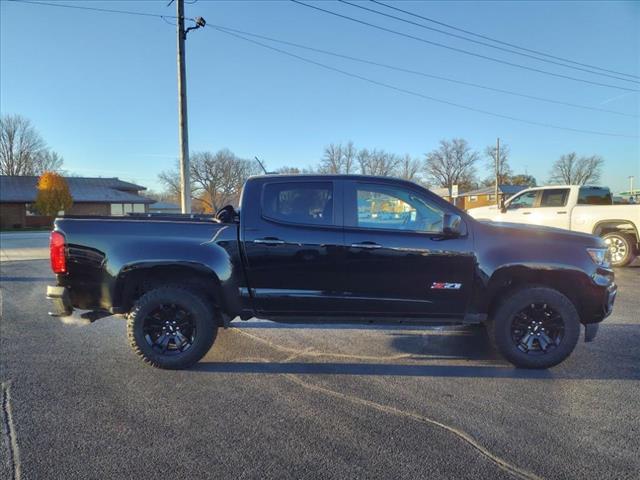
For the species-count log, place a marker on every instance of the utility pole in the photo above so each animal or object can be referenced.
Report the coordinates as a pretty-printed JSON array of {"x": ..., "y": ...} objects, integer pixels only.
[
  {"x": 183, "y": 133},
  {"x": 497, "y": 190}
]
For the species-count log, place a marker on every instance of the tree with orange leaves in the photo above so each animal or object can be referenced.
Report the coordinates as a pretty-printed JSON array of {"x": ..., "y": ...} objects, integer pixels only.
[{"x": 53, "y": 194}]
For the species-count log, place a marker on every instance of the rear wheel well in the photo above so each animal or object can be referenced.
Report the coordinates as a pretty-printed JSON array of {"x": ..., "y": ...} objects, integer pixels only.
[
  {"x": 622, "y": 226},
  {"x": 136, "y": 283}
]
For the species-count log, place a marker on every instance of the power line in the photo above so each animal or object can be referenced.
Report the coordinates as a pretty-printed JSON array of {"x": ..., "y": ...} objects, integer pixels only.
[
  {"x": 344, "y": 72},
  {"x": 537, "y": 52},
  {"x": 98, "y": 9},
  {"x": 508, "y": 50},
  {"x": 460, "y": 50},
  {"x": 417, "y": 94},
  {"x": 424, "y": 74}
]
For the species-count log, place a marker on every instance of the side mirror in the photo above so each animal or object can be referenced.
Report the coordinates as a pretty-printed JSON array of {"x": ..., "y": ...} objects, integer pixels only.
[{"x": 452, "y": 225}]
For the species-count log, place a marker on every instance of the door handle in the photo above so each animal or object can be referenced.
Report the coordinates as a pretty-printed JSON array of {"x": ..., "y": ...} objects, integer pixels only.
[
  {"x": 561, "y": 213},
  {"x": 370, "y": 245},
  {"x": 269, "y": 241},
  {"x": 526, "y": 213}
]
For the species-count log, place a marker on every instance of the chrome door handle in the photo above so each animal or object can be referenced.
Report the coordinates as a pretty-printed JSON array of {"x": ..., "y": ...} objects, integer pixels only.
[
  {"x": 269, "y": 241},
  {"x": 366, "y": 245}
]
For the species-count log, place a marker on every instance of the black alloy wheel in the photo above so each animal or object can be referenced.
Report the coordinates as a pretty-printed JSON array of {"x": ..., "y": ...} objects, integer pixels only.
[
  {"x": 169, "y": 329},
  {"x": 537, "y": 329},
  {"x": 535, "y": 326},
  {"x": 172, "y": 327}
]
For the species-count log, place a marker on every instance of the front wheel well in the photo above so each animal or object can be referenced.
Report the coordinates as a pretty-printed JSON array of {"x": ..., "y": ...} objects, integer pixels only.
[{"x": 505, "y": 283}]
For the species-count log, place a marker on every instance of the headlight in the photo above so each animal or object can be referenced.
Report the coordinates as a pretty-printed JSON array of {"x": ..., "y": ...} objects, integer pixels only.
[{"x": 600, "y": 256}]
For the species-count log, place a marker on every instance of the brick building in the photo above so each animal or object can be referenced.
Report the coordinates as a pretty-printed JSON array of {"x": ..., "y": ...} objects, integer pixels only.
[
  {"x": 486, "y": 196},
  {"x": 91, "y": 196}
]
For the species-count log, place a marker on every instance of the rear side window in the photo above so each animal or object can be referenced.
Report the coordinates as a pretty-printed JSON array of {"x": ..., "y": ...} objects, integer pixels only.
[
  {"x": 555, "y": 197},
  {"x": 594, "y": 196},
  {"x": 309, "y": 203}
]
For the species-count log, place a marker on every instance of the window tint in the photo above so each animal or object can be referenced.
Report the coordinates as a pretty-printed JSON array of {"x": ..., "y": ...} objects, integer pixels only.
[
  {"x": 306, "y": 203},
  {"x": 594, "y": 196},
  {"x": 556, "y": 197},
  {"x": 526, "y": 200},
  {"x": 397, "y": 209}
]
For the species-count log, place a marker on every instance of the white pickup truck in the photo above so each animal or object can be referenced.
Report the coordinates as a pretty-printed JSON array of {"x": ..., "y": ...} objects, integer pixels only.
[{"x": 580, "y": 208}]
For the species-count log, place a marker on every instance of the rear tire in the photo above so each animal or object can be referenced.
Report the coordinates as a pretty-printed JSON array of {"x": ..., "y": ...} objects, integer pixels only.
[
  {"x": 535, "y": 327},
  {"x": 621, "y": 247},
  {"x": 171, "y": 328}
]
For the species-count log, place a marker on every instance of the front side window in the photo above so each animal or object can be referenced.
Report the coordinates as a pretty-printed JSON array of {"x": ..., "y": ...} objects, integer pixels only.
[
  {"x": 555, "y": 197},
  {"x": 396, "y": 209},
  {"x": 304, "y": 203},
  {"x": 526, "y": 200}
]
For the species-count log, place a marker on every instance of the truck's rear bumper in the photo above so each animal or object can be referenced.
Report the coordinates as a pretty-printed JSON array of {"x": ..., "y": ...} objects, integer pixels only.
[{"x": 61, "y": 301}]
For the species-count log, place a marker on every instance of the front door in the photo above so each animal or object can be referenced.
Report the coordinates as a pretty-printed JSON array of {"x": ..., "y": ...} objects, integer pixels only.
[
  {"x": 398, "y": 261},
  {"x": 519, "y": 208},
  {"x": 294, "y": 247}
]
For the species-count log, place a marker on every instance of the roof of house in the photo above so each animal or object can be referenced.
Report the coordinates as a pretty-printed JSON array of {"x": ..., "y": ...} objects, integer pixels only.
[
  {"x": 490, "y": 190},
  {"x": 15, "y": 188}
]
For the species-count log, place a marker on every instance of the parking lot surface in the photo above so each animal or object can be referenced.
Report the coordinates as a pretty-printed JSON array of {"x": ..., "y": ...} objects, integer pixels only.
[{"x": 292, "y": 401}]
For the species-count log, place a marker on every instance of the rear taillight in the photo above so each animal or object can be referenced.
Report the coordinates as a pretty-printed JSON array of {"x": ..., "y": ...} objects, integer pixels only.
[{"x": 56, "y": 251}]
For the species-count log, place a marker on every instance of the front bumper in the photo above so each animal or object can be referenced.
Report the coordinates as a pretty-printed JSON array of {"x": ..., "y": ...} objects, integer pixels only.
[
  {"x": 591, "y": 329},
  {"x": 61, "y": 301}
]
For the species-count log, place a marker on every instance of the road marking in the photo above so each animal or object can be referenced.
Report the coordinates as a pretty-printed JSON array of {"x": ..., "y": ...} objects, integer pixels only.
[
  {"x": 508, "y": 467},
  {"x": 309, "y": 352},
  {"x": 9, "y": 431}
]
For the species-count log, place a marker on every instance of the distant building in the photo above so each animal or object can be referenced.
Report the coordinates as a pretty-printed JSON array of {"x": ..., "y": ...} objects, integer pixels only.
[
  {"x": 91, "y": 196},
  {"x": 486, "y": 196},
  {"x": 164, "y": 207}
]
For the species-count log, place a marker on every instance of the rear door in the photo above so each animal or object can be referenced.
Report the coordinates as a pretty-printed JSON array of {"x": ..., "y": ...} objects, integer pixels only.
[
  {"x": 398, "y": 261},
  {"x": 294, "y": 246},
  {"x": 552, "y": 210}
]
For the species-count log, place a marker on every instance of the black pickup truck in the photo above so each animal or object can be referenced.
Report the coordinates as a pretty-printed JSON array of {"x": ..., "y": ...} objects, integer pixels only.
[{"x": 343, "y": 248}]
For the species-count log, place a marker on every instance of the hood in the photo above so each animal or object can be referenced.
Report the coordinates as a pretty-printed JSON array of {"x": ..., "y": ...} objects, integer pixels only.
[{"x": 532, "y": 232}]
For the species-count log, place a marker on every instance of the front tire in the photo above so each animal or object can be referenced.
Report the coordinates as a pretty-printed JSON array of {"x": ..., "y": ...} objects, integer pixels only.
[
  {"x": 171, "y": 328},
  {"x": 621, "y": 248},
  {"x": 535, "y": 327}
]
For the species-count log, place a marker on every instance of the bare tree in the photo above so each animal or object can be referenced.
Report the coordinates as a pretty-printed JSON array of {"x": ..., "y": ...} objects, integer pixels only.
[
  {"x": 453, "y": 163},
  {"x": 523, "y": 179},
  {"x": 49, "y": 161},
  {"x": 410, "y": 169},
  {"x": 171, "y": 181},
  {"x": 219, "y": 177},
  {"x": 570, "y": 169},
  {"x": 216, "y": 178},
  {"x": 378, "y": 162},
  {"x": 22, "y": 149},
  {"x": 331, "y": 161},
  {"x": 286, "y": 170},
  {"x": 349, "y": 153},
  {"x": 504, "y": 170},
  {"x": 338, "y": 159}
]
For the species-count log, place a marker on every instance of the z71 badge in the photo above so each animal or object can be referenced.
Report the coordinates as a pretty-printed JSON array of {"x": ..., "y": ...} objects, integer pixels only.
[{"x": 445, "y": 286}]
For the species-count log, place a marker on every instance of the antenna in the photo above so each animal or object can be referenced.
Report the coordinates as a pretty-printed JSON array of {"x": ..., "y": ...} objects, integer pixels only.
[{"x": 261, "y": 165}]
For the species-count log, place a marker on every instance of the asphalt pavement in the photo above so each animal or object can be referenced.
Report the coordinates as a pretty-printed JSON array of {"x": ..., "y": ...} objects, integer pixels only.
[{"x": 294, "y": 401}]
